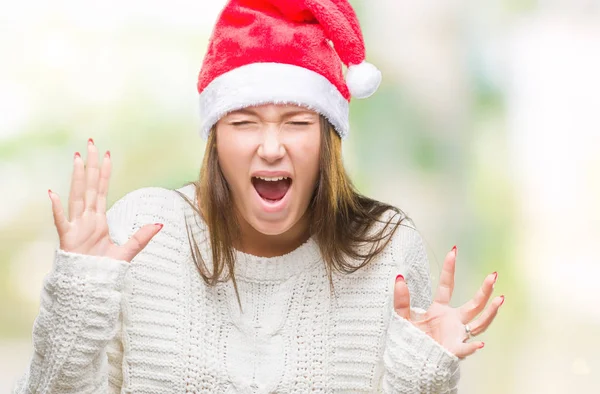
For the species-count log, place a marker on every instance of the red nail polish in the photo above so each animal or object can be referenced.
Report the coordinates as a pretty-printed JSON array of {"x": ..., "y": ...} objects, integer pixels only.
[
  {"x": 482, "y": 345},
  {"x": 49, "y": 192},
  {"x": 495, "y": 275},
  {"x": 107, "y": 154},
  {"x": 455, "y": 250},
  {"x": 77, "y": 155},
  {"x": 501, "y": 302},
  {"x": 399, "y": 277},
  {"x": 91, "y": 141},
  {"x": 160, "y": 226}
]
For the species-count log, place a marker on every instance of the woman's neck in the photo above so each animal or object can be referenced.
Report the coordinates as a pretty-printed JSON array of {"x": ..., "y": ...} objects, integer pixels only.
[{"x": 258, "y": 244}]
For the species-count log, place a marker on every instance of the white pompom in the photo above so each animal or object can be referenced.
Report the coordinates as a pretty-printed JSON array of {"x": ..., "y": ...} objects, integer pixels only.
[{"x": 363, "y": 79}]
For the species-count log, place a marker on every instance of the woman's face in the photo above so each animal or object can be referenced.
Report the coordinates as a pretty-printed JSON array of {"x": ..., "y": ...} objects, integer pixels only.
[{"x": 269, "y": 155}]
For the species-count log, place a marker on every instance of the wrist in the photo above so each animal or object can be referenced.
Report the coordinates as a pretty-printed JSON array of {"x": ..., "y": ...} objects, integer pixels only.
[
  {"x": 99, "y": 270},
  {"x": 419, "y": 337}
]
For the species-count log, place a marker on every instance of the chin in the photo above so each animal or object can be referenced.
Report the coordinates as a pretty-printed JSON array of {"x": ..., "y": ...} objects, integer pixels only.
[{"x": 272, "y": 226}]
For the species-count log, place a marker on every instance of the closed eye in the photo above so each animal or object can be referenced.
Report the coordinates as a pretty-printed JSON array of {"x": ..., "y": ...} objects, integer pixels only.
[
  {"x": 241, "y": 123},
  {"x": 300, "y": 123}
]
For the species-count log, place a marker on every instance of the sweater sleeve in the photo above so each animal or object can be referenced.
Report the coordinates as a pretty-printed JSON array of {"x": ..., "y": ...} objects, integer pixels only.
[
  {"x": 414, "y": 362},
  {"x": 76, "y": 335}
]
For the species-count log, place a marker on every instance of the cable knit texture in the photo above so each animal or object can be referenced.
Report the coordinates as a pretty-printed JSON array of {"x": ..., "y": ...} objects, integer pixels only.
[{"x": 153, "y": 326}]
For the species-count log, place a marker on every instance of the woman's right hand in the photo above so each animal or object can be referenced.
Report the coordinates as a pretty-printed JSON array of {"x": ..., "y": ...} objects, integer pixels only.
[{"x": 86, "y": 230}]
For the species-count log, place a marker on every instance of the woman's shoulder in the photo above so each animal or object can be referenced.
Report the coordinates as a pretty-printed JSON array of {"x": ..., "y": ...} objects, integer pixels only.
[
  {"x": 406, "y": 243},
  {"x": 145, "y": 205},
  {"x": 153, "y": 197},
  {"x": 407, "y": 232},
  {"x": 406, "y": 228}
]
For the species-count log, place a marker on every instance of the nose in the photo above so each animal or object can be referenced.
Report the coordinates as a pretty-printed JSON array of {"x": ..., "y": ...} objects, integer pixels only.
[{"x": 271, "y": 149}]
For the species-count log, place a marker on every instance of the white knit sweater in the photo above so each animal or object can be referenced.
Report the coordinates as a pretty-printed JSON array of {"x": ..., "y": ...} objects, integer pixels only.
[{"x": 153, "y": 326}]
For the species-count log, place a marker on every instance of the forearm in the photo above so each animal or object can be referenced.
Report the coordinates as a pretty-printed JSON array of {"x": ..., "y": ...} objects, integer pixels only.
[
  {"x": 79, "y": 310},
  {"x": 413, "y": 361}
]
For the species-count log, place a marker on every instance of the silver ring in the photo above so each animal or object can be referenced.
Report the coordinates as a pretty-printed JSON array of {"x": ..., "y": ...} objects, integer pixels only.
[{"x": 468, "y": 331}]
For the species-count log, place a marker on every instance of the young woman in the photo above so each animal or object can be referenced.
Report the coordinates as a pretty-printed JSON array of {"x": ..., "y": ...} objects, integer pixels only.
[{"x": 270, "y": 274}]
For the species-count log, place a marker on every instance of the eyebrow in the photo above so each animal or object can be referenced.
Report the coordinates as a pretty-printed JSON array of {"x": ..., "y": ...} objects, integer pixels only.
[
  {"x": 243, "y": 111},
  {"x": 298, "y": 112},
  {"x": 287, "y": 114}
]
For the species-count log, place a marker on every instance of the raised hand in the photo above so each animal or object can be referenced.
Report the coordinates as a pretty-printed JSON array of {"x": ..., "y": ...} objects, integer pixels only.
[
  {"x": 452, "y": 327},
  {"x": 86, "y": 230}
]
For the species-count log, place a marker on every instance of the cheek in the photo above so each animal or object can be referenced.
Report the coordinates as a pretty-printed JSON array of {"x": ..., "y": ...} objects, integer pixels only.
[
  {"x": 312, "y": 157},
  {"x": 306, "y": 161},
  {"x": 233, "y": 158}
]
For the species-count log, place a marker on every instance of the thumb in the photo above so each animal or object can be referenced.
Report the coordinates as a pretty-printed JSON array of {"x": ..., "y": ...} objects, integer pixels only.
[
  {"x": 468, "y": 348},
  {"x": 139, "y": 240},
  {"x": 401, "y": 298}
]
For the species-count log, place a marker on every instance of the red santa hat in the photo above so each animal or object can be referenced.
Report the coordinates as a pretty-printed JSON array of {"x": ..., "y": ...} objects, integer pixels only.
[{"x": 285, "y": 51}]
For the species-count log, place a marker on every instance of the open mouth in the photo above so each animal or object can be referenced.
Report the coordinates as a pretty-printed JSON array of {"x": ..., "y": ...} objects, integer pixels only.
[{"x": 271, "y": 189}]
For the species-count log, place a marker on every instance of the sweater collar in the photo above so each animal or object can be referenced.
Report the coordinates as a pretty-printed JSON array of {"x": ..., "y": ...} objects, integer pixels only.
[{"x": 277, "y": 268}]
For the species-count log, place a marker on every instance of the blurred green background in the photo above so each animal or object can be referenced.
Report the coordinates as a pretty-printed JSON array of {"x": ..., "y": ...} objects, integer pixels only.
[{"x": 486, "y": 131}]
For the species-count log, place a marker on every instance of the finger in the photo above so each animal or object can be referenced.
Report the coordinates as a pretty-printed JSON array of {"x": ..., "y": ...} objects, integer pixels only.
[
  {"x": 103, "y": 183},
  {"x": 76, "y": 195},
  {"x": 60, "y": 221},
  {"x": 92, "y": 174},
  {"x": 446, "y": 286},
  {"x": 473, "y": 307},
  {"x": 139, "y": 240},
  {"x": 486, "y": 318},
  {"x": 401, "y": 298},
  {"x": 466, "y": 349}
]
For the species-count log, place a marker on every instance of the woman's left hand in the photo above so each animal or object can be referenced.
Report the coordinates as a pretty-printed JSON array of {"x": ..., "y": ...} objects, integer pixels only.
[{"x": 447, "y": 325}]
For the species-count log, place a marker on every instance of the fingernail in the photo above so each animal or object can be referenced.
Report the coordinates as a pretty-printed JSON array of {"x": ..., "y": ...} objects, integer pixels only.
[
  {"x": 91, "y": 141},
  {"x": 77, "y": 155},
  {"x": 49, "y": 193},
  {"x": 160, "y": 226},
  {"x": 107, "y": 154},
  {"x": 399, "y": 277},
  {"x": 495, "y": 275},
  {"x": 455, "y": 250},
  {"x": 482, "y": 345},
  {"x": 501, "y": 302}
]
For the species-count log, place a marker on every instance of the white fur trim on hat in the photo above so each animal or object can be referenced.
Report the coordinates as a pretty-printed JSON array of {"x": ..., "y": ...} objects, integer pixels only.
[{"x": 262, "y": 83}]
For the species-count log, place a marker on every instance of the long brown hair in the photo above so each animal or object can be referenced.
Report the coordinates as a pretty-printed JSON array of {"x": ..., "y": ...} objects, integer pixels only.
[{"x": 341, "y": 219}]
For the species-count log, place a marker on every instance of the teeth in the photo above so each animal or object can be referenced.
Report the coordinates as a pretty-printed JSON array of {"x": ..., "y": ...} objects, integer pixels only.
[{"x": 271, "y": 179}]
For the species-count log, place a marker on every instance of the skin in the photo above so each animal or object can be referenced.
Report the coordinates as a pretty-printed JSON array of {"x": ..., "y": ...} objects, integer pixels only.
[
  {"x": 270, "y": 138},
  {"x": 85, "y": 230},
  {"x": 269, "y": 141}
]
